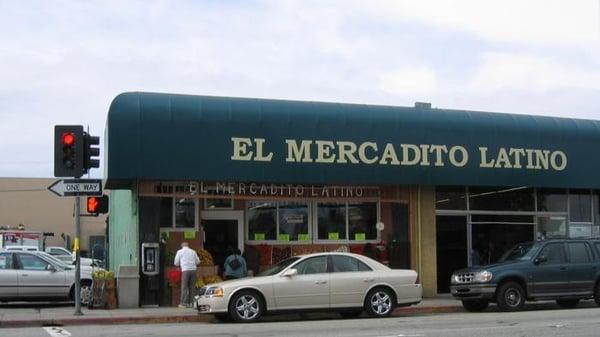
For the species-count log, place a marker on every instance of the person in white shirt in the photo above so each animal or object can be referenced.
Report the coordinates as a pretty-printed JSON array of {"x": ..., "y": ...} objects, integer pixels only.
[{"x": 187, "y": 259}]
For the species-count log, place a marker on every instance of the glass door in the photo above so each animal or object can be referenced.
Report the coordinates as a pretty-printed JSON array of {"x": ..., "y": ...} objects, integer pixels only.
[{"x": 451, "y": 236}]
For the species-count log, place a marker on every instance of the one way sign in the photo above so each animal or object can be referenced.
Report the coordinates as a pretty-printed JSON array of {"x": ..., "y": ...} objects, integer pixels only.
[{"x": 76, "y": 187}]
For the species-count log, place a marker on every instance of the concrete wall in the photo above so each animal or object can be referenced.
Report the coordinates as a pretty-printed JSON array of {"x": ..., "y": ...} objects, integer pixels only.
[
  {"x": 123, "y": 229},
  {"x": 27, "y": 201}
]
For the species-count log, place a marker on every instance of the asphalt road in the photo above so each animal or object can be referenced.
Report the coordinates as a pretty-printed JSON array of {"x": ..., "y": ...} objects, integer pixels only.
[{"x": 546, "y": 323}]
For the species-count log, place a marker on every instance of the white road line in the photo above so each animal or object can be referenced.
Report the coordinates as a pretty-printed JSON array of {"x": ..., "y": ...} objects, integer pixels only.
[{"x": 56, "y": 331}]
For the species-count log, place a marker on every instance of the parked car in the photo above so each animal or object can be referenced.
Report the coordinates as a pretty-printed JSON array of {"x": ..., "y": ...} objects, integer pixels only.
[
  {"x": 22, "y": 248},
  {"x": 565, "y": 270},
  {"x": 60, "y": 253},
  {"x": 343, "y": 282},
  {"x": 26, "y": 275}
]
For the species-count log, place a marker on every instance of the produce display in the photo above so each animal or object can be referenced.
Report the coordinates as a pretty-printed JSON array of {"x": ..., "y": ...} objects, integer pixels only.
[
  {"x": 103, "y": 275},
  {"x": 205, "y": 258},
  {"x": 212, "y": 279},
  {"x": 199, "y": 283}
]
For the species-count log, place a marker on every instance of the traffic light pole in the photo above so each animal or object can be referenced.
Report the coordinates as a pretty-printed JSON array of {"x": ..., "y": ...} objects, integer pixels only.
[{"x": 77, "y": 258}]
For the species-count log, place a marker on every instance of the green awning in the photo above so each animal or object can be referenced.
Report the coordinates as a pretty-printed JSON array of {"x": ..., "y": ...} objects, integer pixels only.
[{"x": 180, "y": 137}]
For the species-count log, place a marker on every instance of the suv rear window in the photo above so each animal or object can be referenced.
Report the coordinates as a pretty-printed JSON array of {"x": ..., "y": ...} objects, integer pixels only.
[{"x": 578, "y": 252}]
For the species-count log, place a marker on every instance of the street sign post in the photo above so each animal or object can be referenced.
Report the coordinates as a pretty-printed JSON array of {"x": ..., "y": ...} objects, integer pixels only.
[{"x": 76, "y": 187}]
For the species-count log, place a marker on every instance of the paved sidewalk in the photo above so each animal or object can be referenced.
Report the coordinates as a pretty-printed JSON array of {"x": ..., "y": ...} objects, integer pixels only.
[{"x": 45, "y": 314}]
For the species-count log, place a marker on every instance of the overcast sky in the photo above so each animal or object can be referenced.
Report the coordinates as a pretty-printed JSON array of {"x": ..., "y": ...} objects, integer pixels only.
[{"x": 62, "y": 62}]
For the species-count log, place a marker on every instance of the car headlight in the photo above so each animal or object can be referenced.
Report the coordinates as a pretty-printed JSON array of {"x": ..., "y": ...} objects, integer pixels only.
[
  {"x": 483, "y": 276},
  {"x": 214, "y": 291}
]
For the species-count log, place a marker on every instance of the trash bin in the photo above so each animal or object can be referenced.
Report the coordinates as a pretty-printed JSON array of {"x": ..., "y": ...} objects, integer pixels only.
[{"x": 128, "y": 286}]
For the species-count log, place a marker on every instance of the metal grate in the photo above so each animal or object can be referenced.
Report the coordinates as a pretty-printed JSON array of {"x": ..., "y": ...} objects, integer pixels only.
[{"x": 465, "y": 278}]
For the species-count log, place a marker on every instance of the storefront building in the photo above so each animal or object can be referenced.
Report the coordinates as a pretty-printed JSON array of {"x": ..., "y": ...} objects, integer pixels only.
[{"x": 421, "y": 188}]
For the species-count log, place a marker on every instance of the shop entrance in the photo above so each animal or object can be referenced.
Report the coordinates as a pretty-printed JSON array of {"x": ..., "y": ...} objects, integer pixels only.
[
  {"x": 222, "y": 229},
  {"x": 451, "y": 236}
]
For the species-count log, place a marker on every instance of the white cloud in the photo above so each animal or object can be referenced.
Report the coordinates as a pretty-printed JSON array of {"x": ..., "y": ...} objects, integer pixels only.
[
  {"x": 530, "y": 73},
  {"x": 417, "y": 80},
  {"x": 538, "y": 22}
]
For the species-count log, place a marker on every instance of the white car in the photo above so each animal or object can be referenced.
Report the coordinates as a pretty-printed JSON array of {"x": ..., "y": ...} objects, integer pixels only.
[
  {"x": 343, "y": 282},
  {"x": 35, "y": 275},
  {"x": 67, "y": 257}
]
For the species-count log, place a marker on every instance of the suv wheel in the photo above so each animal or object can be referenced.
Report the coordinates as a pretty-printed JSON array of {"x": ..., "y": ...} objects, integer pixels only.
[
  {"x": 510, "y": 297},
  {"x": 246, "y": 306},
  {"x": 570, "y": 303},
  {"x": 475, "y": 305}
]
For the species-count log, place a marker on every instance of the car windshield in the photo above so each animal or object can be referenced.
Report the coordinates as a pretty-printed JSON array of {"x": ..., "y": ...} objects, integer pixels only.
[
  {"x": 55, "y": 260},
  {"x": 521, "y": 251},
  {"x": 278, "y": 267}
]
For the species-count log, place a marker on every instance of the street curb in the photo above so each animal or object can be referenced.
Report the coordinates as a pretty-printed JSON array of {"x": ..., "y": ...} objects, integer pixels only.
[
  {"x": 179, "y": 318},
  {"x": 105, "y": 321}
]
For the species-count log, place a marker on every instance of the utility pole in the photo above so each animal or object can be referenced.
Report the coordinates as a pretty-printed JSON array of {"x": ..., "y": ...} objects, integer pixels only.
[{"x": 77, "y": 258}]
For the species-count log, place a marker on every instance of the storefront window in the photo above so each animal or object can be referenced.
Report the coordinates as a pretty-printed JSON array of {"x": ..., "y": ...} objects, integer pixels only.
[
  {"x": 157, "y": 209},
  {"x": 262, "y": 220},
  {"x": 362, "y": 218},
  {"x": 551, "y": 200},
  {"x": 218, "y": 203},
  {"x": 551, "y": 227},
  {"x": 580, "y": 206},
  {"x": 185, "y": 213},
  {"x": 293, "y": 221},
  {"x": 450, "y": 197},
  {"x": 501, "y": 198},
  {"x": 331, "y": 221},
  {"x": 596, "y": 208}
]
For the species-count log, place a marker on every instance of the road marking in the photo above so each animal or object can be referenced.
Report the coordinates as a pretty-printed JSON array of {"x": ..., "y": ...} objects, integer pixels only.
[{"x": 55, "y": 331}]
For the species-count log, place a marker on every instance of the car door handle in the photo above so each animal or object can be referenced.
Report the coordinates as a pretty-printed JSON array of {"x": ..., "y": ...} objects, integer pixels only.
[
  {"x": 369, "y": 279},
  {"x": 563, "y": 268},
  {"x": 24, "y": 274},
  {"x": 320, "y": 282}
]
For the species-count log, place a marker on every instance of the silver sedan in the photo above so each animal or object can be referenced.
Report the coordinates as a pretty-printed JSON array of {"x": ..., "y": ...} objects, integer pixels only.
[{"x": 344, "y": 282}]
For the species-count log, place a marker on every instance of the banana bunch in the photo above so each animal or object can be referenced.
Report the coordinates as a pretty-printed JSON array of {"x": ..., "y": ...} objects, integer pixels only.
[
  {"x": 205, "y": 258},
  {"x": 199, "y": 283},
  {"x": 103, "y": 275},
  {"x": 212, "y": 279}
]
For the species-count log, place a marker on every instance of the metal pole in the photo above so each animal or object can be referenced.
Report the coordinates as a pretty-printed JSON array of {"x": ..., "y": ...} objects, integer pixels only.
[{"x": 77, "y": 259}]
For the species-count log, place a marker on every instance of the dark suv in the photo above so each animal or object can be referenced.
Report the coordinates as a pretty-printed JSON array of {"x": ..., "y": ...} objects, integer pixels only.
[{"x": 565, "y": 270}]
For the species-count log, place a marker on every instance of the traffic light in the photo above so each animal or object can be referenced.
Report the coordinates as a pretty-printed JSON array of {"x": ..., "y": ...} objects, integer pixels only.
[
  {"x": 97, "y": 205},
  {"x": 91, "y": 151},
  {"x": 68, "y": 151}
]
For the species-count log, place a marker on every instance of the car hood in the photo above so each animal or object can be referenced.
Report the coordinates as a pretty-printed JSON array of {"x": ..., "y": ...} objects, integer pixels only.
[
  {"x": 489, "y": 267},
  {"x": 239, "y": 282}
]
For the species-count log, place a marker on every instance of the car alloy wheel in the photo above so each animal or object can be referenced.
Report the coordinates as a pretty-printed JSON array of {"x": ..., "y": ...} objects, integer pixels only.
[
  {"x": 85, "y": 294},
  {"x": 246, "y": 307},
  {"x": 380, "y": 302}
]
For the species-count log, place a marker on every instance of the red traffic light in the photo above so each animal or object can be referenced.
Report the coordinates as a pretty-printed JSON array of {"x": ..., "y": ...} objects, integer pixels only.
[
  {"x": 68, "y": 138},
  {"x": 97, "y": 205},
  {"x": 92, "y": 204}
]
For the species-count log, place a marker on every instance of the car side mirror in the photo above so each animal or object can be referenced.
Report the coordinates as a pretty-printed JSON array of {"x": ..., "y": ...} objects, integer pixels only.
[
  {"x": 540, "y": 259},
  {"x": 51, "y": 268},
  {"x": 290, "y": 272}
]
